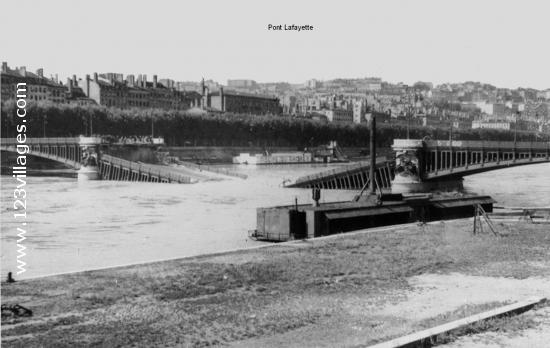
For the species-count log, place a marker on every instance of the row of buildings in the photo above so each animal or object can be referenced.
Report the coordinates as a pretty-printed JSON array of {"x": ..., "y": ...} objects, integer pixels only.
[
  {"x": 39, "y": 87},
  {"x": 112, "y": 90},
  {"x": 115, "y": 90},
  {"x": 238, "y": 102}
]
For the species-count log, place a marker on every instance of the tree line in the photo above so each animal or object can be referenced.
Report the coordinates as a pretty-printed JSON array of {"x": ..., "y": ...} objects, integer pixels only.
[{"x": 185, "y": 128}]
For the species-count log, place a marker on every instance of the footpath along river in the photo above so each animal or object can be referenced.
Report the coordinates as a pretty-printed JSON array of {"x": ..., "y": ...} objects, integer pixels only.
[{"x": 74, "y": 226}]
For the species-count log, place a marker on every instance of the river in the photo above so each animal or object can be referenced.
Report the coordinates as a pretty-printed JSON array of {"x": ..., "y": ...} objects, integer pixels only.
[{"x": 73, "y": 226}]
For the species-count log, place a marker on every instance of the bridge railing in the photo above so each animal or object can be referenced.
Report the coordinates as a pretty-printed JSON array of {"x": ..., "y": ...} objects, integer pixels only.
[
  {"x": 57, "y": 141},
  {"x": 473, "y": 168},
  {"x": 472, "y": 144},
  {"x": 490, "y": 144}
]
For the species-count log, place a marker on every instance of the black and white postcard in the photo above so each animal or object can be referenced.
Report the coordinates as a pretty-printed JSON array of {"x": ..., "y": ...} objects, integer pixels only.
[{"x": 285, "y": 173}]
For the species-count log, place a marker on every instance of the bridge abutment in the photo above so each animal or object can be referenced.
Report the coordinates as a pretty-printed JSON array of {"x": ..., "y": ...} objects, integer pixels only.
[{"x": 423, "y": 165}]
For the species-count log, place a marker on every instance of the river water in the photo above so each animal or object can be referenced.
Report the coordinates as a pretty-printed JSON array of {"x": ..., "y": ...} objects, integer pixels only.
[{"x": 74, "y": 226}]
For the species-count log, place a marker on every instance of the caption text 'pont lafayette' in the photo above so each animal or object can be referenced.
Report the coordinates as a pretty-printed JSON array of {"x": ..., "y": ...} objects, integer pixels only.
[{"x": 289, "y": 27}]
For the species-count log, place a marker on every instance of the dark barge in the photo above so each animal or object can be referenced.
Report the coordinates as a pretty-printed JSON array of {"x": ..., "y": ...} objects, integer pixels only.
[{"x": 283, "y": 223}]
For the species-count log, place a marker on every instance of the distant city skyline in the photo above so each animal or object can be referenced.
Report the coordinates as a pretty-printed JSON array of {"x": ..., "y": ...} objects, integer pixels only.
[{"x": 502, "y": 43}]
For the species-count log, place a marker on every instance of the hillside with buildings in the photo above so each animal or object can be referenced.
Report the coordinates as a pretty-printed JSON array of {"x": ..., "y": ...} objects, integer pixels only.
[{"x": 467, "y": 105}]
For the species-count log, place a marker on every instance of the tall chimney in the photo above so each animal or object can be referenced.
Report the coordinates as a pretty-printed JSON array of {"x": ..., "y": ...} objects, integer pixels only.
[
  {"x": 222, "y": 101},
  {"x": 23, "y": 71},
  {"x": 74, "y": 81},
  {"x": 95, "y": 77},
  {"x": 88, "y": 86},
  {"x": 70, "y": 85},
  {"x": 204, "y": 99},
  {"x": 40, "y": 72},
  {"x": 4, "y": 66},
  {"x": 144, "y": 81},
  {"x": 155, "y": 81}
]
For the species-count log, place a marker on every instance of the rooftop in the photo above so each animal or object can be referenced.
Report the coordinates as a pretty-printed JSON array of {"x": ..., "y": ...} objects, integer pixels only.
[
  {"x": 30, "y": 77},
  {"x": 243, "y": 94}
]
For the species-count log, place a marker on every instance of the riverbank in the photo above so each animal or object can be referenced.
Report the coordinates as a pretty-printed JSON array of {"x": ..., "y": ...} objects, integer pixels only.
[
  {"x": 225, "y": 154},
  {"x": 359, "y": 288}
]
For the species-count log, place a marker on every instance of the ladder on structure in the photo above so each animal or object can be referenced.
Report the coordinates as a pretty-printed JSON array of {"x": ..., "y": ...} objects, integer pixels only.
[{"x": 479, "y": 216}]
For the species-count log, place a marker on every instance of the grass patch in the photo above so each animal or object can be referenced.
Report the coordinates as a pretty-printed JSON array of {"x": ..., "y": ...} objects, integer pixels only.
[
  {"x": 47, "y": 325},
  {"x": 199, "y": 303}
]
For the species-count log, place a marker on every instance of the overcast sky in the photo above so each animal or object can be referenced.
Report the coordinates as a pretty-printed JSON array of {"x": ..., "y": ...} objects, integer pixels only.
[{"x": 506, "y": 43}]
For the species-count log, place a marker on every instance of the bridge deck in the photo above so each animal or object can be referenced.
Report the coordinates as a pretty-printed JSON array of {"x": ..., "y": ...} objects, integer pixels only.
[
  {"x": 69, "y": 151},
  {"x": 440, "y": 159},
  {"x": 352, "y": 176},
  {"x": 114, "y": 168},
  {"x": 470, "y": 169},
  {"x": 81, "y": 140}
]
